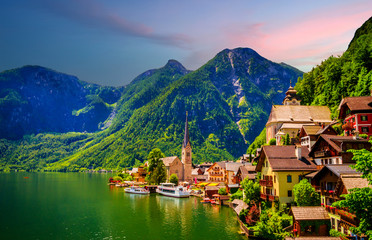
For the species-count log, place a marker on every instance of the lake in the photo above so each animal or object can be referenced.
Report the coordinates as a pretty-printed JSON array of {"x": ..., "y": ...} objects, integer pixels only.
[{"x": 83, "y": 206}]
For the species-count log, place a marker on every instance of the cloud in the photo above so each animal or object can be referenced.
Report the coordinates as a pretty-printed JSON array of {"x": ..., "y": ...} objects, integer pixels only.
[{"x": 91, "y": 13}]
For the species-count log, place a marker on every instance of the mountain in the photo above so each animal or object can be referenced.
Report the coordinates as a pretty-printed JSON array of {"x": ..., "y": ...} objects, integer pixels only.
[
  {"x": 338, "y": 77},
  {"x": 226, "y": 99},
  {"x": 34, "y": 99}
]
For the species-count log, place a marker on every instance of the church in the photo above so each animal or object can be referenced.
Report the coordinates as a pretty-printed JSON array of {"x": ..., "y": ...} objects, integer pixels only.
[
  {"x": 182, "y": 168},
  {"x": 291, "y": 116}
]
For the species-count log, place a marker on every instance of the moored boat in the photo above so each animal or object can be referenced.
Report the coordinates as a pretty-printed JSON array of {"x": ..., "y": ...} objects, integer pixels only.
[
  {"x": 136, "y": 190},
  {"x": 170, "y": 190}
]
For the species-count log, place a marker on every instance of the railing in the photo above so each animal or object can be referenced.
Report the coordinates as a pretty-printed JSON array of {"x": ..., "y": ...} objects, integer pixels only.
[
  {"x": 273, "y": 198},
  {"x": 322, "y": 154},
  {"x": 215, "y": 174},
  {"x": 266, "y": 183},
  {"x": 348, "y": 217},
  {"x": 263, "y": 196}
]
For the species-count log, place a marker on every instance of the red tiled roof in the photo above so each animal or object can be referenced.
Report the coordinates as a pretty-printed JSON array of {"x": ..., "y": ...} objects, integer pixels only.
[{"x": 283, "y": 158}]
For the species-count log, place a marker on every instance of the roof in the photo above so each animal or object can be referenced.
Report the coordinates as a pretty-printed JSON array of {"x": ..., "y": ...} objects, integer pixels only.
[
  {"x": 220, "y": 164},
  {"x": 233, "y": 185},
  {"x": 354, "y": 182},
  {"x": 298, "y": 113},
  {"x": 311, "y": 129},
  {"x": 239, "y": 205},
  {"x": 309, "y": 213},
  {"x": 195, "y": 171},
  {"x": 168, "y": 160},
  {"x": 336, "y": 169},
  {"x": 211, "y": 188},
  {"x": 336, "y": 142},
  {"x": 283, "y": 158},
  {"x": 327, "y": 130},
  {"x": 233, "y": 166},
  {"x": 355, "y": 104},
  {"x": 291, "y": 126}
]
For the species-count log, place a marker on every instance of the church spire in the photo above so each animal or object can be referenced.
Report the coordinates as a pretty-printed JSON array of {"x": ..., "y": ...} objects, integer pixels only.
[{"x": 186, "y": 139}]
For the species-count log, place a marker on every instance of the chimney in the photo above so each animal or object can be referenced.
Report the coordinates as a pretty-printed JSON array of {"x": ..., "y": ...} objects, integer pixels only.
[
  {"x": 298, "y": 151},
  {"x": 356, "y": 135}
]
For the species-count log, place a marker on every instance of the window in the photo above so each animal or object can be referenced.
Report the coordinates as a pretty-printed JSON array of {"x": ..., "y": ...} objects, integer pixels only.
[
  {"x": 188, "y": 154},
  {"x": 289, "y": 178},
  {"x": 364, "y": 118},
  {"x": 274, "y": 179},
  {"x": 299, "y": 178},
  {"x": 365, "y": 129},
  {"x": 289, "y": 193}
]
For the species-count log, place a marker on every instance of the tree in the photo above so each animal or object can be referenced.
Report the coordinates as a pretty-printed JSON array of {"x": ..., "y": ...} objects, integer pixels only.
[
  {"x": 359, "y": 200},
  {"x": 222, "y": 191},
  {"x": 251, "y": 191},
  {"x": 286, "y": 140},
  {"x": 157, "y": 170},
  {"x": 272, "y": 141},
  {"x": 305, "y": 194},
  {"x": 173, "y": 179}
]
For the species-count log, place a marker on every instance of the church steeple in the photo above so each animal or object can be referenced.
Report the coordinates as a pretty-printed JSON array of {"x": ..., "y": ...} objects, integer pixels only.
[
  {"x": 291, "y": 97},
  {"x": 186, "y": 138}
]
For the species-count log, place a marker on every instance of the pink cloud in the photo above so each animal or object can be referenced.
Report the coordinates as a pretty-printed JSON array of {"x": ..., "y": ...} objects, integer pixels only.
[{"x": 91, "y": 13}]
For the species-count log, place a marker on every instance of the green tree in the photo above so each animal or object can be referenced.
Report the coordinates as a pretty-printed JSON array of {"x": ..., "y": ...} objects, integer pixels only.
[
  {"x": 359, "y": 200},
  {"x": 305, "y": 195},
  {"x": 286, "y": 140},
  {"x": 173, "y": 179},
  {"x": 222, "y": 191},
  {"x": 157, "y": 170},
  {"x": 251, "y": 191},
  {"x": 272, "y": 141}
]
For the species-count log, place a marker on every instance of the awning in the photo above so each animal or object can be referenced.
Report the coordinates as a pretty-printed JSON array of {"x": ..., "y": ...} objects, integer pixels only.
[{"x": 213, "y": 184}]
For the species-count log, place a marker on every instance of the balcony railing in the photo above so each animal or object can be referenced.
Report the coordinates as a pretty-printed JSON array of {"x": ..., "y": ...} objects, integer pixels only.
[
  {"x": 322, "y": 154},
  {"x": 266, "y": 183},
  {"x": 215, "y": 174},
  {"x": 273, "y": 198},
  {"x": 264, "y": 197}
]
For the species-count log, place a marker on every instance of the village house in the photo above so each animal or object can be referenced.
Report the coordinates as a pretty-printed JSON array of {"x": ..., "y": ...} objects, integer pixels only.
[
  {"x": 291, "y": 116},
  {"x": 217, "y": 172},
  {"x": 246, "y": 171},
  {"x": 331, "y": 182},
  {"x": 281, "y": 168},
  {"x": 139, "y": 173},
  {"x": 198, "y": 175},
  {"x": 332, "y": 149},
  {"x": 310, "y": 133},
  {"x": 356, "y": 113},
  {"x": 310, "y": 221}
]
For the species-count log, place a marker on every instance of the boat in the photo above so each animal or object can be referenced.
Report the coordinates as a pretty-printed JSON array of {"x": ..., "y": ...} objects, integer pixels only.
[
  {"x": 137, "y": 190},
  {"x": 170, "y": 190},
  {"x": 206, "y": 200}
]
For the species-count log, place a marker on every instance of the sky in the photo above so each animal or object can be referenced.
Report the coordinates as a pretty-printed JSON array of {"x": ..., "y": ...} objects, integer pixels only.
[{"x": 110, "y": 42}]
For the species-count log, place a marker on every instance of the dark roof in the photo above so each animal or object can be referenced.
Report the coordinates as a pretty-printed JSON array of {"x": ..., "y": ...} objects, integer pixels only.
[
  {"x": 233, "y": 166},
  {"x": 337, "y": 169},
  {"x": 309, "y": 213},
  {"x": 335, "y": 142},
  {"x": 327, "y": 130},
  {"x": 355, "y": 104},
  {"x": 283, "y": 158},
  {"x": 186, "y": 138}
]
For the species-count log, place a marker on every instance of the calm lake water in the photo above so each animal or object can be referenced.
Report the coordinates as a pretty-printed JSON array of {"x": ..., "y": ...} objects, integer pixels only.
[{"x": 83, "y": 206}]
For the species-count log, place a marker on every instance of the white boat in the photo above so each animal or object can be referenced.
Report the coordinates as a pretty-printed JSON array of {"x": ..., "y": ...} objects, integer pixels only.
[
  {"x": 170, "y": 190},
  {"x": 137, "y": 190}
]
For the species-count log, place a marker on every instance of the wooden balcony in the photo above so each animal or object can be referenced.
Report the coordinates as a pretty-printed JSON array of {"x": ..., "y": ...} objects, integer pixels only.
[
  {"x": 266, "y": 183},
  {"x": 348, "y": 126},
  {"x": 263, "y": 196},
  {"x": 216, "y": 174},
  {"x": 322, "y": 154},
  {"x": 273, "y": 198}
]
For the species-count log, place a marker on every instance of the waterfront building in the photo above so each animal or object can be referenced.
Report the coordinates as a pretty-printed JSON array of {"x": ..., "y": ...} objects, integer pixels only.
[
  {"x": 291, "y": 116},
  {"x": 281, "y": 168},
  {"x": 173, "y": 165},
  {"x": 356, "y": 114},
  {"x": 310, "y": 133},
  {"x": 310, "y": 221},
  {"x": 332, "y": 149},
  {"x": 217, "y": 172},
  {"x": 333, "y": 181}
]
